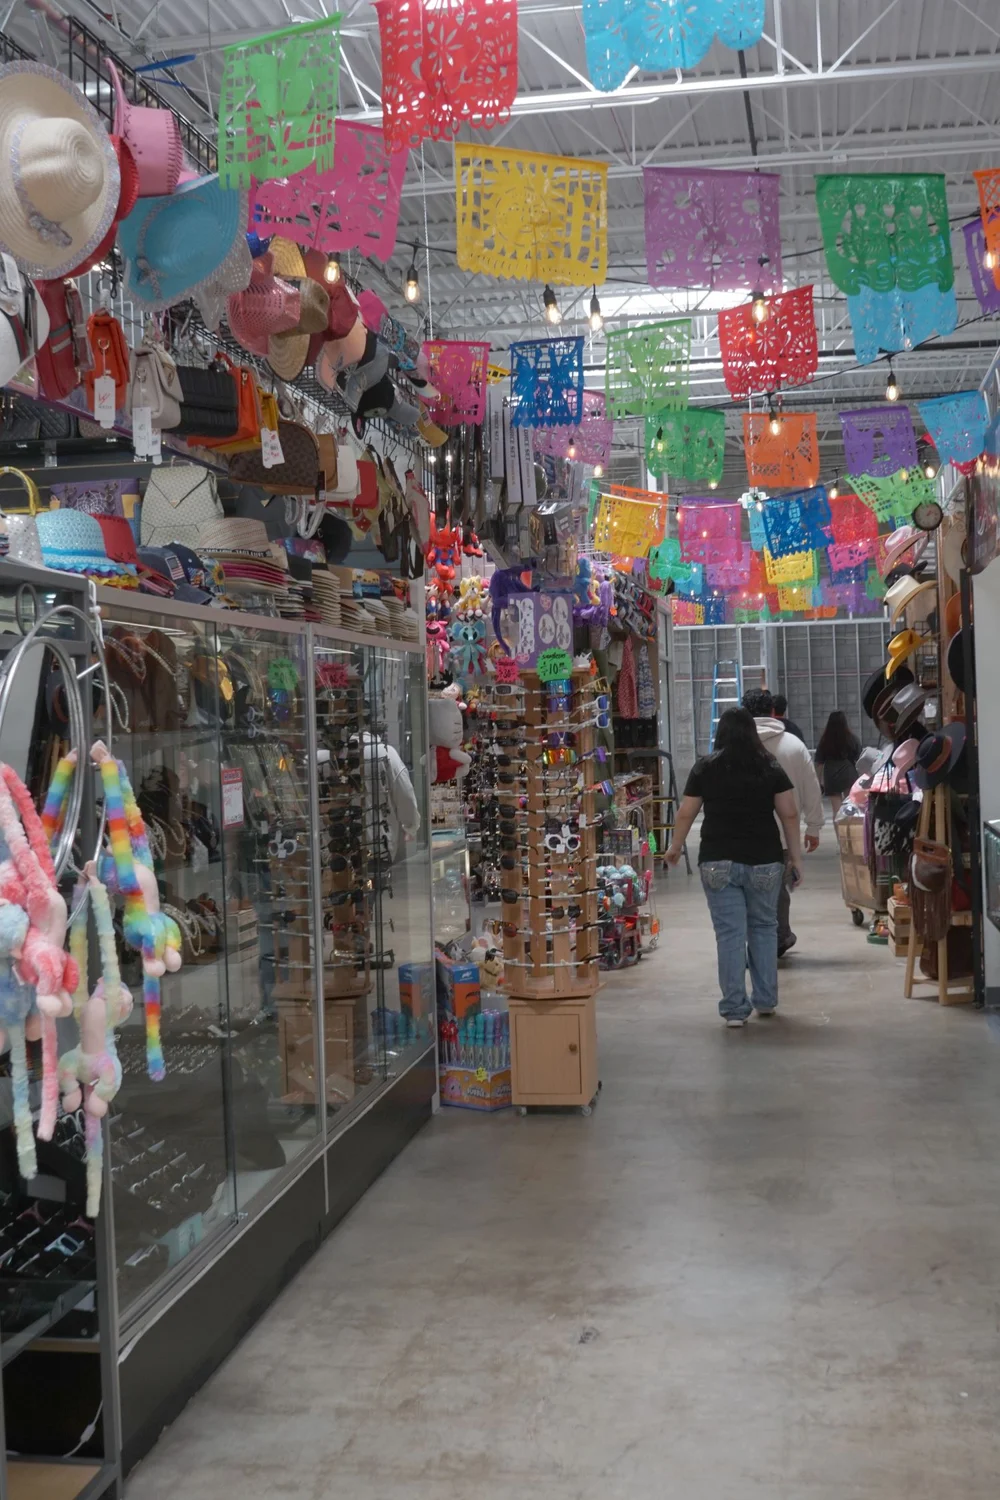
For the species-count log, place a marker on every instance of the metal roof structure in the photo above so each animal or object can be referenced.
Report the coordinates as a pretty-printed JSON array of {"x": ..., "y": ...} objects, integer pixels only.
[{"x": 834, "y": 85}]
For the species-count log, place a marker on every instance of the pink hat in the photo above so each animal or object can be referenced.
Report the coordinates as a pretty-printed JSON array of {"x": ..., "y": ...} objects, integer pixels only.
[
  {"x": 269, "y": 305},
  {"x": 905, "y": 755},
  {"x": 154, "y": 139},
  {"x": 373, "y": 309},
  {"x": 899, "y": 542}
]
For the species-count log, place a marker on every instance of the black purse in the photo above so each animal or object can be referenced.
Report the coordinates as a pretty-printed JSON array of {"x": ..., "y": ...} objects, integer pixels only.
[
  {"x": 19, "y": 422},
  {"x": 211, "y": 403}
]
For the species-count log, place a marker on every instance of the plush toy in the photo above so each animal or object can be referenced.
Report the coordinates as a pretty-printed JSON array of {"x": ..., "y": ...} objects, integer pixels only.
[
  {"x": 443, "y": 553},
  {"x": 473, "y": 599},
  {"x": 128, "y": 871},
  {"x": 488, "y": 958},
  {"x": 450, "y": 761},
  {"x": 28, "y": 879},
  {"x": 16, "y": 1002},
  {"x": 90, "y": 1074}
]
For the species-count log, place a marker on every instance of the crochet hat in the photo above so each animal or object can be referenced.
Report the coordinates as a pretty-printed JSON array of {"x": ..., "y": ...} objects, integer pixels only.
[
  {"x": 72, "y": 542},
  {"x": 287, "y": 352},
  {"x": 59, "y": 194},
  {"x": 177, "y": 246},
  {"x": 268, "y": 305}
]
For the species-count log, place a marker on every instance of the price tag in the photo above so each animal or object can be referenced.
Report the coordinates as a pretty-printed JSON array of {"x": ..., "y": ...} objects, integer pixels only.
[
  {"x": 232, "y": 797},
  {"x": 507, "y": 669},
  {"x": 142, "y": 431},
  {"x": 270, "y": 448},
  {"x": 156, "y": 446},
  {"x": 553, "y": 665},
  {"x": 104, "y": 400}
]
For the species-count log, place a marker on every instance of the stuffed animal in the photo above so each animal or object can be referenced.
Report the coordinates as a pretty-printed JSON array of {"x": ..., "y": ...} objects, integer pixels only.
[
  {"x": 16, "y": 1001},
  {"x": 90, "y": 1074},
  {"x": 450, "y": 761},
  {"x": 128, "y": 871},
  {"x": 28, "y": 879}
]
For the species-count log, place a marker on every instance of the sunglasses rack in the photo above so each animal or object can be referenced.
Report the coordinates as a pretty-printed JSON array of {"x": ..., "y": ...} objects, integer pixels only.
[{"x": 549, "y": 956}]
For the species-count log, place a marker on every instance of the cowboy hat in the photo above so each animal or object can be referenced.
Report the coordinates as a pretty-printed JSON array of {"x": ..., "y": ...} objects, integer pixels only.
[
  {"x": 906, "y": 707},
  {"x": 59, "y": 193},
  {"x": 955, "y": 660},
  {"x": 178, "y": 245},
  {"x": 875, "y": 685},
  {"x": 953, "y": 615},
  {"x": 900, "y": 648},
  {"x": 905, "y": 754},
  {"x": 938, "y": 755},
  {"x": 903, "y": 593},
  {"x": 904, "y": 539}
]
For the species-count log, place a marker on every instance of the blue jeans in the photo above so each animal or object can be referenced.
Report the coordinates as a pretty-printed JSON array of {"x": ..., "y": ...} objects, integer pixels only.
[{"x": 743, "y": 902}]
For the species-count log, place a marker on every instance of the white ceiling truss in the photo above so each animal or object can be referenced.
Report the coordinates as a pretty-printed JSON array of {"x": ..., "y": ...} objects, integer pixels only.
[{"x": 834, "y": 85}]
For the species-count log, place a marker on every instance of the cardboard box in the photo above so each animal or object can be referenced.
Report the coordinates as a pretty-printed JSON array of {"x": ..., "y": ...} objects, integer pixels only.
[
  {"x": 458, "y": 988},
  {"x": 416, "y": 991},
  {"x": 475, "y": 1088}
]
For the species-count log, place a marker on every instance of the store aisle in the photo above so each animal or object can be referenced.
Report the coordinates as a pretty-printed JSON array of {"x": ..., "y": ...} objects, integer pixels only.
[{"x": 764, "y": 1270}]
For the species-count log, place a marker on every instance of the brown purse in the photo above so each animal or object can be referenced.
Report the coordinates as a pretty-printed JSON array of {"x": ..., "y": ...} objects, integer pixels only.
[
  {"x": 930, "y": 889},
  {"x": 299, "y": 474}
]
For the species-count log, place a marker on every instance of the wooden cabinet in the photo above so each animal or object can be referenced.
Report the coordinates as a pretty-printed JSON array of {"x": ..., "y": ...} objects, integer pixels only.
[{"x": 553, "y": 1046}]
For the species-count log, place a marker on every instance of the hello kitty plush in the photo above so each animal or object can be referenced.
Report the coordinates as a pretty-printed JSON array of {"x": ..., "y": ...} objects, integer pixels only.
[{"x": 450, "y": 761}]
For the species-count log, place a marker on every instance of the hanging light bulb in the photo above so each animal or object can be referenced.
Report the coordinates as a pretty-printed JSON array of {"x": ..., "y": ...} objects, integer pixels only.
[
  {"x": 552, "y": 313},
  {"x": 834, "y": 489},
  {"x": 659, "y": 440},
  {"x": 774, "y": 418},
  {"x": 713, "y": 484},
  {"x": 412, "y": 289},
  {"x": 332, "y": 272},
  {"x": 892, "y": 388},
  {"x": 930, "y": 467},
  {"x": 596, "y": 319},
  {"x": 991, "y": 260},
  {"x": 758, "y": 307},
  {"x": 598, "y": 470},
  {"x": 571, "y": 448}
]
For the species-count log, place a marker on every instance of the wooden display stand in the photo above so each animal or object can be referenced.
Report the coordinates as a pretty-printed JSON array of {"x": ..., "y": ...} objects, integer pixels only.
[
  {"x": 556, "y": 964},
  {"x": 553, "y": 1052},
  {"x": 935, "y": 823}
]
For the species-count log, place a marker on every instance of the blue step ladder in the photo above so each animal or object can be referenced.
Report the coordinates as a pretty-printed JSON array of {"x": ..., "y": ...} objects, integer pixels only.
[{"x": 727, "y": 692}]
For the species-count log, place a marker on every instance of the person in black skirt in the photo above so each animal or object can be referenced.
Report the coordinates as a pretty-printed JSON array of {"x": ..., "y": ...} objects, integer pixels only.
[{"x": 837, "y": 759}]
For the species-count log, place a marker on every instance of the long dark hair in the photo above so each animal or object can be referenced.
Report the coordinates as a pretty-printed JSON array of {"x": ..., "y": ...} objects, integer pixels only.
[
  {"x": 738, "y": 745},
  {"x": 836, "y": 742}
]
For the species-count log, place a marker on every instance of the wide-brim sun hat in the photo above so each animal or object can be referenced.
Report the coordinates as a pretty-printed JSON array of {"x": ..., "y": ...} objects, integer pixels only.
[
  {"x": 128, "y": 197},
  {"x": 72, "y": 542},
  {"x": 268, "y": 305},
  {"x": 59, "y": 193},
  {"x": 286, "y": 259},
  {"x": 192, "y": 239}
]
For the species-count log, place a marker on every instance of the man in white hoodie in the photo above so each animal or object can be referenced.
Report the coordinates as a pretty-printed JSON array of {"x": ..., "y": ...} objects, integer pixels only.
[{"x": 795, "y": 760}]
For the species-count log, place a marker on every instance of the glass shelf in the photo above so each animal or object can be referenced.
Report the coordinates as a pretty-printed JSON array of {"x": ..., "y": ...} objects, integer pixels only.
[{"x": 29, "y": 1308}]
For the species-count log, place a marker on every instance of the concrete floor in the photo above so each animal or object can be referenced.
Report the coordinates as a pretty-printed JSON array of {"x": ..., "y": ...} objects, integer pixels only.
[{"x": 765, "y": 1269}]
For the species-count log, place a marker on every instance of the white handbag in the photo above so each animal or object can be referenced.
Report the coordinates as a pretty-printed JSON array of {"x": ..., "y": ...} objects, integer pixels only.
[
  {"x": 179, "y": 502},
  {"x": 348, "y": 485},
  {"x": 155, "y": 383}
]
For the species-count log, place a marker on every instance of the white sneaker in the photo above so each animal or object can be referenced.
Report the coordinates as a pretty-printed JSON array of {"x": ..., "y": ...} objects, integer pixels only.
[{"x": 736, "y": 1022}]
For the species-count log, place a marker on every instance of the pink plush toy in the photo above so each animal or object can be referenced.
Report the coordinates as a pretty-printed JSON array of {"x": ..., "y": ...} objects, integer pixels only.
[{"x": 29, "y": 880}]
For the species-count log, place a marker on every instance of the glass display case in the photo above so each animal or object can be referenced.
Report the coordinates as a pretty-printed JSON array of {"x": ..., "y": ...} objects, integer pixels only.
[
  {"x": 450, "y": 876},
  {"x": 280, "y": 771}
]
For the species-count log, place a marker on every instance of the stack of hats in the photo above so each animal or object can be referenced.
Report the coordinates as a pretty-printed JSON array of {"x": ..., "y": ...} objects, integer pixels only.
[
  {"x": 177, "y": 572},
  {"x": 326, "y": 596},
  {"x": 243, "y": 551},
  {"x": 403, "y": 622},
  {"x": 98, "y": 547}
]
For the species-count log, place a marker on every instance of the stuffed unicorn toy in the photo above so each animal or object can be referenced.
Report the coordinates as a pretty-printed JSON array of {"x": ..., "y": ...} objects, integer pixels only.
[
  {"x": 28, "y": 879},
  {"x": 128, "y": 871},
  {"x": 90, "y": 1074},
  {"x": 16, "y": 1002}
]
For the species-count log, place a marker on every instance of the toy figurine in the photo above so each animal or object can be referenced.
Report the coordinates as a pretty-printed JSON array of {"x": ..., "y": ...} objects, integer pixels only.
[{"x": 450, "y": 761}]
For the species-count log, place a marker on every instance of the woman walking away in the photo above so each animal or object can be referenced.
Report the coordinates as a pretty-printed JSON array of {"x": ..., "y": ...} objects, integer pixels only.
[
  {"x": 836, "y": 759},
  {"x": 741, "y": 863}
]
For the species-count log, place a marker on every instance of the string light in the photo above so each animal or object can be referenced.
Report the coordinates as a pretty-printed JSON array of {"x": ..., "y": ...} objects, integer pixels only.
[
  {"x": 596, "y": 316},
  {"x": 990, "y": 260},
  {"x": 552, "y": 313},
  {"x": 929, "y": 461},
  {"x": 774, "y": 418},
  {"x": 598, "y": 470},
  {"x": 659, "y": 440},
  {"x": 332, "y": 273},
  {"x": 834, "y": 489},
  {"x": 892, "y": 388},
  {"x": 412, "y": 289},
  {"x": 758, "y": 307},
  {"x": 713, "y": 484},
  {"x": 571, "y": 448}
]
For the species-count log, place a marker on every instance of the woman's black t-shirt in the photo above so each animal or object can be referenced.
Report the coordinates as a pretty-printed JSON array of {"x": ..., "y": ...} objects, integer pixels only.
[{"x": 739, "y": 821}]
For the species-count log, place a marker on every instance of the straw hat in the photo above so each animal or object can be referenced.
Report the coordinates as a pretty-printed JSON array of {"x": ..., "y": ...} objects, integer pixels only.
[
  {"x": 287, "y": 352},
  {"x": 234, "y": 534},
  {"x": 59, "y": 195},
  {"x": 128, "y": 196},
  {"x": 268, "y": 305},
  {"x": 191, "y": 241},
  {"x": 286, "y": 259},
  {"x": 903, "y": 593}
]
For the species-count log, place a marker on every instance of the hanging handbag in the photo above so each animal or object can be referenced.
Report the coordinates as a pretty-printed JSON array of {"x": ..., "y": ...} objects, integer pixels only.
[
  {"x": 23, "y": 542},
  {"x": 248, "y": 412},
  {"x": 55, "y": 361},
  {"x": 19, "y": 422},
  {"x": 328, "y": 461},
  {"x": 297, "y": 475},
  {"x": 210, "y": 406},
  {"x": 179, "y": 501},
  {"x": 156, "y": 384},
  {"x": 344, "y": 491},
  {"x": 110, "y": 355}
]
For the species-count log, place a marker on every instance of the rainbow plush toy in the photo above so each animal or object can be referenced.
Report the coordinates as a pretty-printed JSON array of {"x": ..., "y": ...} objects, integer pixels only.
[
  {"x": 90, "y": 1074},
  {"x": 128, "y": 871},
  {"x": 16, "y": 1003},
  {"x": 28, "y": 879}
]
